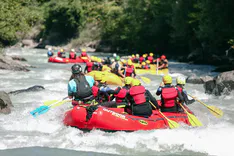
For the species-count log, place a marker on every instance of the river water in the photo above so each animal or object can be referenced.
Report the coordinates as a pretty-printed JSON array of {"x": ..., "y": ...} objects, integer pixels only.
[{"x": 22, "y": 134}]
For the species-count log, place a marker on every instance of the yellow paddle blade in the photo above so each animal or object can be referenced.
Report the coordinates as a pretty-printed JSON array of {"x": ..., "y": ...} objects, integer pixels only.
[
  {"x": 193, "y": 120},
  {"x": 172, "y": 124},
  {"x": 145, "y": 79},
  {"x": 47, "y": 103},
  {"x": 215, "y": 111}
]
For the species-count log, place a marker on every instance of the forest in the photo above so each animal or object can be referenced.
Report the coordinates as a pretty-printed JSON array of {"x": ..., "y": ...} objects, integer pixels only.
[{"x": 173, "y": 27}]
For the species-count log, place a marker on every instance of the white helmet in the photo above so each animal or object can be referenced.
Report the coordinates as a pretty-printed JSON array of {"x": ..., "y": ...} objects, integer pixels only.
[
  {"x": 49, "y": 48},
  {"x": 114, "y": 55},
  {"x": 180, "y": 80},
  {"x": 73, "y": 50}
]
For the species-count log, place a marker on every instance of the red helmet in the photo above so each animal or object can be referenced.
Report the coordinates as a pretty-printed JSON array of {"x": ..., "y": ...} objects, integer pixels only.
[{"x": 163, "y": 57}]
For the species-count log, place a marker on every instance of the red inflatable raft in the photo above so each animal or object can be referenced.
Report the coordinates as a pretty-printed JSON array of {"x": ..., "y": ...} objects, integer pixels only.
[
  {"x": 68, "y": 60},
  {"x": 114, "y": 119}
]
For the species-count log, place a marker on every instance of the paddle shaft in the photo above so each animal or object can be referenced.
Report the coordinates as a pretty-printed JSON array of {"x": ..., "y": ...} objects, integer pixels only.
[
  {"x": 172, "y": 124},
  {"x": 58, "y": 101},
  {"x": 192, "y": 119}
]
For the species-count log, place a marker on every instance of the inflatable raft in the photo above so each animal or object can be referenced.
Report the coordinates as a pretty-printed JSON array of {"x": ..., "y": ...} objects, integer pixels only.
[
  {"x": 111, "y": 78},
  {"x": 68, "y": 60},
  {"x": 114, "y": 119}
]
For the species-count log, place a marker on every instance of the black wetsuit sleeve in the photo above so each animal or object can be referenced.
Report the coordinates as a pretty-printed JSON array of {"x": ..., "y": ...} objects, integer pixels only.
[
  {"x": 181, "y": 98},
  {"x": 85, "y": 69},
  {"x": 152, "y": 99},
  {"x": 159, "y": 91},
  {"x": 114, "y": 91},
  {"x": 186, "y": 100},
  {"x": 134, "y": 73}
]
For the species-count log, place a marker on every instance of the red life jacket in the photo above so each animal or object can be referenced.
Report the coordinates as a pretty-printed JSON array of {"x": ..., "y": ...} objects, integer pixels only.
[
  {"x": 138, "y": 94},
  {"x": 145, "y": 67},
  {"x": 83, "y": 54},
  {"x": 95, "y": 91},
  {"x": 141, "y": 59},
  {"x": 129, "y": 70},
  {"x": 150, "y": 58},
  {"x": 72, "y": 55},
  {"x": 89, "y": 66},
  {"x": 121, "y": 95},
  {"x": 179, "y": 88},
  {"x": 59, "y": 54},
  {"x": 169, "y": 96}
]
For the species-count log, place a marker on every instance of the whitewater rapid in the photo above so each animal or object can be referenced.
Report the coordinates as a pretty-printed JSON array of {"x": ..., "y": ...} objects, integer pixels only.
[{"x": 20, "y": 129}]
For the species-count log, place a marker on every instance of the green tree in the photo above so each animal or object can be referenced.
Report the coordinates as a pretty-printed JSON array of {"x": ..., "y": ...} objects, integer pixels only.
[{"x": 16, "y": 18}]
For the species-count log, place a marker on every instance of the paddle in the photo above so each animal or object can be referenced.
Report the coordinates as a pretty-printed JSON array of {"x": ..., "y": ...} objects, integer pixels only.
[
  {"x": 192, "y": 119},
  {"x": 214, "y": 110},
  {"x": 43, "y": 109},
  {"x": 59, "y": 102},
  {"x": 145, "y": 79},
  {"x": 172, "y": 124}
]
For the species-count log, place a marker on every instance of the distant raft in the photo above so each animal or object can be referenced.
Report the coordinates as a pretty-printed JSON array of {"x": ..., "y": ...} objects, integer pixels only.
[{"x": 68, "y": 60}]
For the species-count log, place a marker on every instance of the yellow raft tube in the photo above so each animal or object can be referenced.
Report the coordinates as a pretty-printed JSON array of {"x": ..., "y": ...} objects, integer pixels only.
[
  {"x": 152, "y": 70},
  {"x": 111, "y": 78}
]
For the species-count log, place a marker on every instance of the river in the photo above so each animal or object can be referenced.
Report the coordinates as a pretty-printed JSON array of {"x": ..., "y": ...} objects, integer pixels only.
[{"x": 22, "y": 134}]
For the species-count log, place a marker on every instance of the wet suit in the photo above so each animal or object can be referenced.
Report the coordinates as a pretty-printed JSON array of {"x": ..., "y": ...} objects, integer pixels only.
[
  {"x": 79, "y": 87},
  {"x": 184, "y": 94}
]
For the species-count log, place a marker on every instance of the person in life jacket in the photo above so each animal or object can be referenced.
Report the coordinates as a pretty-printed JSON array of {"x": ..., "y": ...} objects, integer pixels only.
[
  {"x": 157, "y": 61},
  {"x": 144, "y": 66},
  {"x": 116, "y": 67},
  {"x": 138, "y": 99},
  {"x": 72, "y": 54},
  {"x": 133, "y": 57},
  {"x": 124, "y": 62},
  {"x": 84, "y": 55},
  {"x": 148, "y": 64},
  {"x": 100, "y": 82},
  {"x": 129, "y": 69},
  {"x": 142, "y": 58},
  {"x": 61, "y": 53},
  {"x": 89, "y": 67},
  {"x": 97, "y": 65},
  {"x": 136, "y": 59},
  {"x": 163, "y": 62},
  {"x": 120, "y": 95},
  {"x": 50, "y": 53},
  {"x": 150, "y": 57},
  {"x": 107, "y": 61},
  {"x": 80, "y": 86},
  {"x": 169, "y": 95},
  {"x": 180, "y": 83}
]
